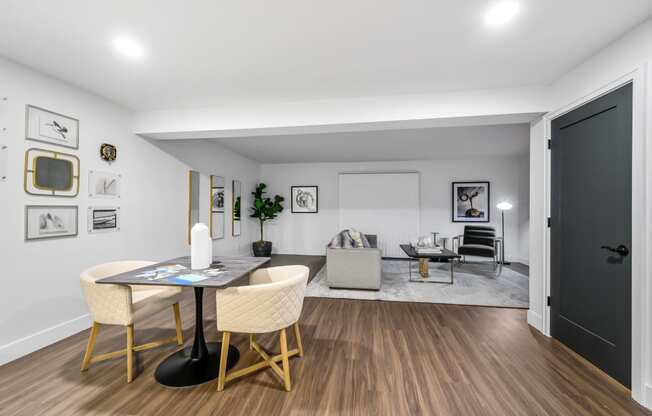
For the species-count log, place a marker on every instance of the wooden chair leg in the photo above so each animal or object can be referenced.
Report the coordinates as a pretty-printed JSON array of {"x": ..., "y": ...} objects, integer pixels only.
[
  {"x": 252, "y": 339},
  {"x": 224, "y": 355},
  {"x": 297, "y": 336},
  {"x": 130, "y": 353},
  {"x": 90, "y": 346},
  {"x": 286, "y": 361},
  {"x": 177, "y": 322}
]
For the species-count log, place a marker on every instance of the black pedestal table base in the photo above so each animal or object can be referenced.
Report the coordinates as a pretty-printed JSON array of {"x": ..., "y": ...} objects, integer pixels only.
[
  {"x": 197, "y": 364},
  {"x": 181, "y": 370}
]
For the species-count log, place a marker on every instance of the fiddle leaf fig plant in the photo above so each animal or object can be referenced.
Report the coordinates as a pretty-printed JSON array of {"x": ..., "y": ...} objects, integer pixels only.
[{"x": 264, "y": 208}]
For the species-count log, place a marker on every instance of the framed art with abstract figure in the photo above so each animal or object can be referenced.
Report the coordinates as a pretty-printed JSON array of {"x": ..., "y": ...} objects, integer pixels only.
[
  {"x": 471, "y": 202},
  {"x": 305, "y": 199},
  {"x": 236, "y": 207},
  {"x": 216, "y": 219},
  {"x": 103, "y": 184},
  {"x": 103, "y": 219},
  {"x": 50, "y": 221},
  {"x": 49, "y": 127},
  {"x": 50, "y": 173}
]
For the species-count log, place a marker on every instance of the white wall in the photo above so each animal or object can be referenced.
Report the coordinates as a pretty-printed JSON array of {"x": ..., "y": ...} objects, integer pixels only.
[
  {"x": 41, "y": 297},
  {"x": 309, "y": 233},
  {"x": 212, "y": 159}
]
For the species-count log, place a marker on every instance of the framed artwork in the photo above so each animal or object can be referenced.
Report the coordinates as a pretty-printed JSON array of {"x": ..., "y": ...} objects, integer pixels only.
[
  {"x": 305, "y": 199},
  {"x": 217, "y": 214},
  {"x": 49, "y": 173},
  {"x": 471, "y": 202},
  {"x": 103, "y": 184},
  {"x": 50, "y": 221},
  {"x": 47, "y": 126},
  {"x": 108, "y": 152},
  {"x": 236, "y": 202},
  {"x": 103, "y": 219}
]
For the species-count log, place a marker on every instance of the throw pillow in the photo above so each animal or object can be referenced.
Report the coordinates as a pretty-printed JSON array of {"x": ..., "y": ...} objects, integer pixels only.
[{"x": 357, "y": 239}]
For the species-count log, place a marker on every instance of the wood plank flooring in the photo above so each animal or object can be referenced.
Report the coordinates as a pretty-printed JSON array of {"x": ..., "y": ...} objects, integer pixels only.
[{"x": 362, "y": 358}]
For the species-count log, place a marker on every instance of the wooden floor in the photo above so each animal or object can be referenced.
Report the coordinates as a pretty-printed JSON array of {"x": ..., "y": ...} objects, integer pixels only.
[{"x": 362, "y": 358}]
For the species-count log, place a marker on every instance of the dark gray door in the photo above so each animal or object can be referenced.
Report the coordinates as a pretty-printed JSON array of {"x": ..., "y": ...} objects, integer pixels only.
[{"x": 591, "y": 232}]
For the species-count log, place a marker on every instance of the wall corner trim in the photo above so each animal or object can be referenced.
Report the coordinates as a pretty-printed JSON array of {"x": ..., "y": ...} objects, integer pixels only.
[
  {"x": 535, "y": 320},
  {"x": 26, "y": 345}
]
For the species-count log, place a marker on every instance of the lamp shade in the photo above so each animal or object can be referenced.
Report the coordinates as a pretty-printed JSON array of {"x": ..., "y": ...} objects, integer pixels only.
[{"x": 504, "y": 206}]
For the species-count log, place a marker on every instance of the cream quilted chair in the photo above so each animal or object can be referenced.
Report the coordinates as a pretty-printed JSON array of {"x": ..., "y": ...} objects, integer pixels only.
[
  {"x": 122, "y": 305},
  {"x": 272, "y": 302}
]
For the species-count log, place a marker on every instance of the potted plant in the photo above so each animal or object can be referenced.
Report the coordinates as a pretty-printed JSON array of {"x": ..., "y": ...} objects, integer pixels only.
[{"x": 265, "y": 209}]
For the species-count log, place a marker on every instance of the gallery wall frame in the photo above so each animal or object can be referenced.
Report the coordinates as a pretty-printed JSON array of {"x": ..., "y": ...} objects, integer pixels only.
[
  {"x": 108, "y": 152},
  {"x": 104, "y": 184},
  {"x": 47, "y": 126},
  {"x": 304, "y": 199},
  {"x": 471, "y": 201},
  {"x": 216, "y": 209},
  {"x": 50, "y": 221},
  {"x": 236, "y": 208},
  {"x": 103, "y": 219},
  {"x": 51, "y": 173}
]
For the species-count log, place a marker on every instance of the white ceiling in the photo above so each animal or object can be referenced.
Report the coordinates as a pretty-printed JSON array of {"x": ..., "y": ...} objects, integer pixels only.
[
  {"x": 409, "y": 144},
  {"x": 204, "y": 52}
]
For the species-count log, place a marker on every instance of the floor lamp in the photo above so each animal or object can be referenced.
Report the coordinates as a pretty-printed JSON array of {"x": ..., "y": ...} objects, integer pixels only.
[{"x": 503, "y": 206}]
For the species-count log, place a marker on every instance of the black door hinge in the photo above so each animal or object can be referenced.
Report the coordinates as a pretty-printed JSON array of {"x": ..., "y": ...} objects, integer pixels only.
[
  {"x": 549, "y": 222},
  {"x": 548, "y": 300},
  {"x": 549, "y": 144}
]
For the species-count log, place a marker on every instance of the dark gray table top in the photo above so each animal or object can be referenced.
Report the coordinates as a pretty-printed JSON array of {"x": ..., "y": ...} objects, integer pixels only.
[
  {"x": 234, "y": 269},
  {"x": 445, "y": 253}
]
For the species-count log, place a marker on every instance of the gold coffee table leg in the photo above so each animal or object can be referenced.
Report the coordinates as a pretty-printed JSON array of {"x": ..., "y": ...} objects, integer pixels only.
[{"x": 423, "y": 268}]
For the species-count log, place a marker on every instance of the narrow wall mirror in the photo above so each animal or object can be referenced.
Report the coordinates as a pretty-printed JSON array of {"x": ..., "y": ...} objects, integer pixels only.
[
  {"x": 198, "y": 199},
  {"x": 217, "y": 214},
  {"x": 236, "y": 203}
]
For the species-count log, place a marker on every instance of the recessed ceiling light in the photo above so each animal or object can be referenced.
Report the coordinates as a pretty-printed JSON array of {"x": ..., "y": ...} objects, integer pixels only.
[
  {"x": 128, "y": 47},
  {"x": 501, "y": 13}
]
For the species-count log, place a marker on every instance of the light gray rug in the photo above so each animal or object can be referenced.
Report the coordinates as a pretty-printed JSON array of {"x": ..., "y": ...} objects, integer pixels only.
[{"x": 475, "y": 284}]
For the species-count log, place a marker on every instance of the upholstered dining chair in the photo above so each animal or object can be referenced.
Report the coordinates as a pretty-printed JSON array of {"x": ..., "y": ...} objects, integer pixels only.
[
  {"x": 272, "y": 302},
  {"x": 122, "y": 305}
]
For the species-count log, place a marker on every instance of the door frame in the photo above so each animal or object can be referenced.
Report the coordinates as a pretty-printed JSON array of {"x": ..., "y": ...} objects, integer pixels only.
[{"x": 641, "y": 220}]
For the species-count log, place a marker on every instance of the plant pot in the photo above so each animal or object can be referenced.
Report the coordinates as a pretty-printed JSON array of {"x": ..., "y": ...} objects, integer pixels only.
[{"x": 262, "y": 248}]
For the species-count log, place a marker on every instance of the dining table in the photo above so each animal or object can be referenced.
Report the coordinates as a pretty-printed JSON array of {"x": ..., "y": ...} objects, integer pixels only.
[{"x": 199, "y": 363}]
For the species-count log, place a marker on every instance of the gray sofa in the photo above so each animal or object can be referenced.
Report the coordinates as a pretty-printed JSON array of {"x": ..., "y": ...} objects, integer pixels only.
[{"x": 354, "y": 268}]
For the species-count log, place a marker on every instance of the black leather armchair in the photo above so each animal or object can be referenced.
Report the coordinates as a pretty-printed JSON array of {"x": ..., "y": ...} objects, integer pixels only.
[{"x": 478, "y": 240}]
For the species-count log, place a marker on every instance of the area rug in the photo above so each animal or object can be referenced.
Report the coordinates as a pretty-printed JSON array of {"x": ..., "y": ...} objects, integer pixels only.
[{"x": 475, "y": 284}]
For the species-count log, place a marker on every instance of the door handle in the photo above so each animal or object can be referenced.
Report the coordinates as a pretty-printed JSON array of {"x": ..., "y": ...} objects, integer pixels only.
[{"x": 621, "y": 250}]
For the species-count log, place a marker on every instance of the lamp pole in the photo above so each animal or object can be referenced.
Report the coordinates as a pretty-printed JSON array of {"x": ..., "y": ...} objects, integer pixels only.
[{"x": 503, "y": 206}]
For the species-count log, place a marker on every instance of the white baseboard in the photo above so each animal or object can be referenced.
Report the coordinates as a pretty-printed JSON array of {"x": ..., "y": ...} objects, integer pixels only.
[
  {"x": 647, "y": 396},
  {"x": 535, "y": 320},
  {"x": 43, "y": 338}
]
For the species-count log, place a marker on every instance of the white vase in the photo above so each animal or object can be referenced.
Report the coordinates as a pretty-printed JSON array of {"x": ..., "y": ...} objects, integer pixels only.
[{"x": 201, "y": 247}]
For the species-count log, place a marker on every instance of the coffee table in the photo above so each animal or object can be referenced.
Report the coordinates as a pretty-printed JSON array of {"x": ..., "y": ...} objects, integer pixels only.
[{"x": 424, "y": 259}]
